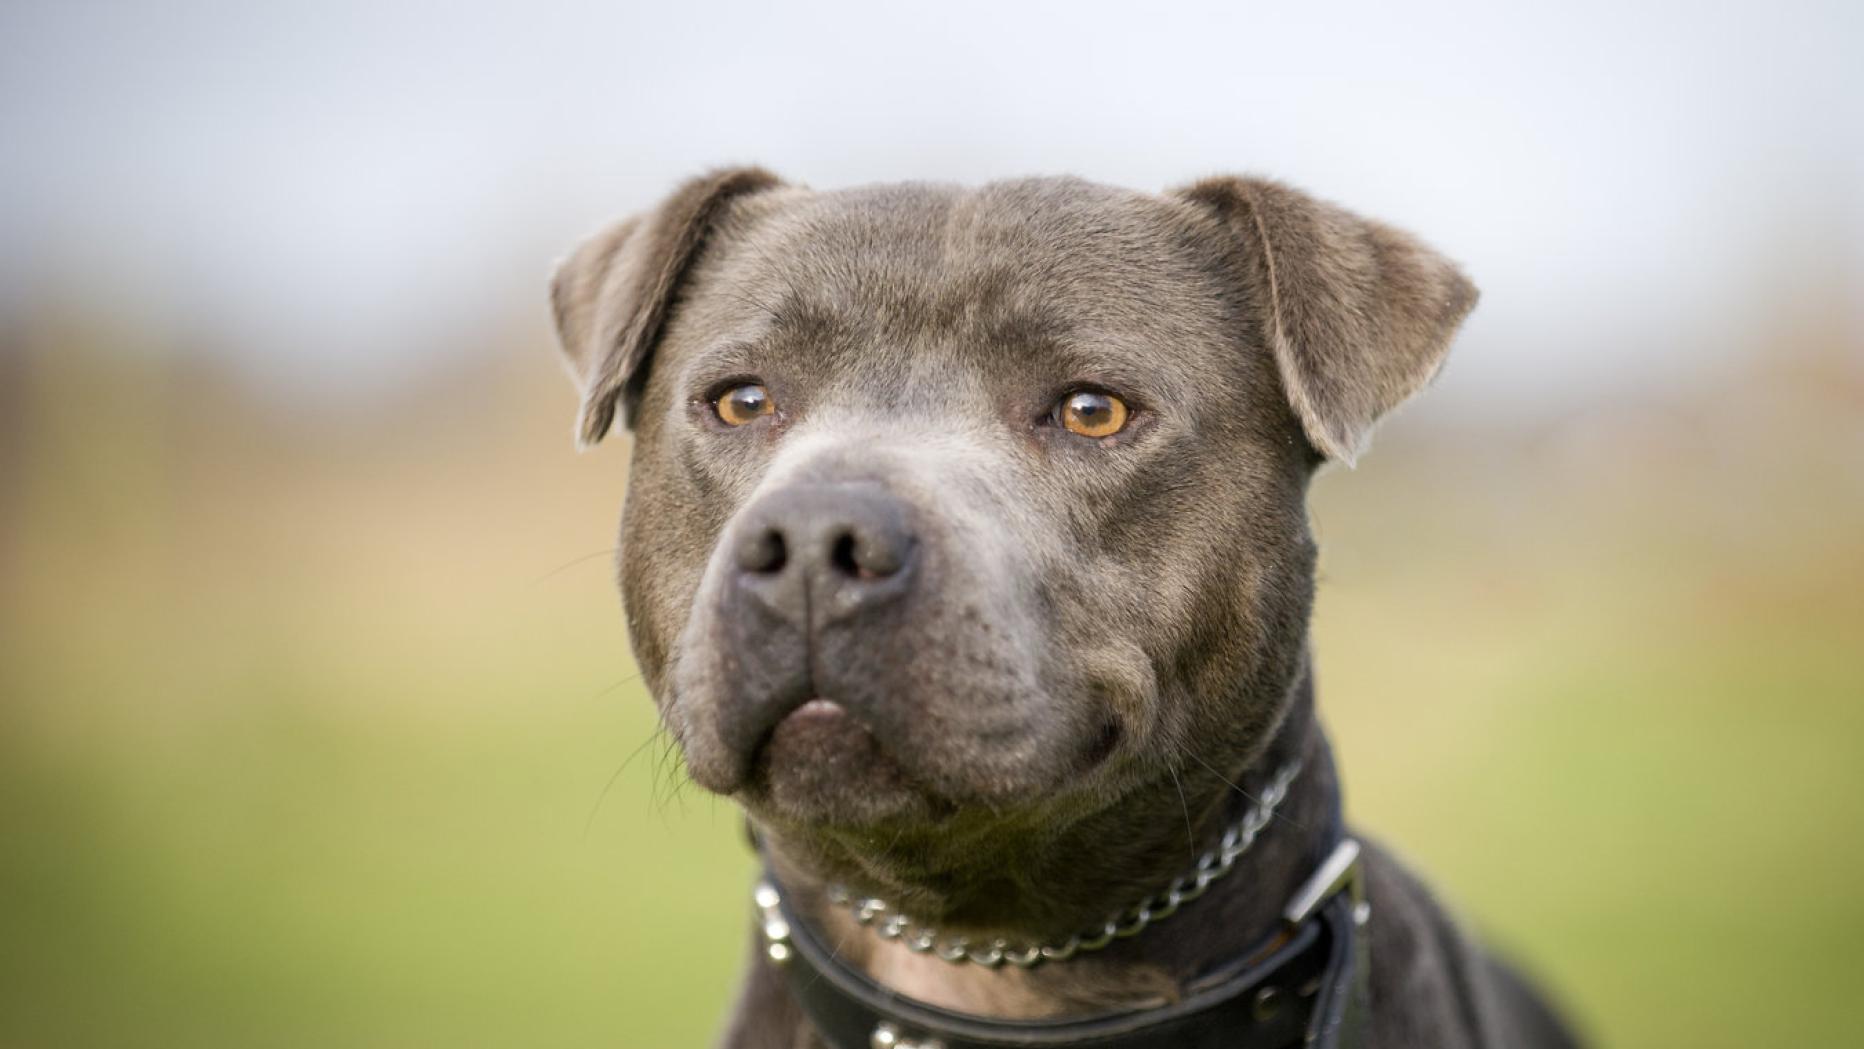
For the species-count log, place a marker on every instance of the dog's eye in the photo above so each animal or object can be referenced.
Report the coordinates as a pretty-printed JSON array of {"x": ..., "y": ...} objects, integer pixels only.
[
  {"x": 1091, "y": 413},
  {"x": 743, "y": 404}
]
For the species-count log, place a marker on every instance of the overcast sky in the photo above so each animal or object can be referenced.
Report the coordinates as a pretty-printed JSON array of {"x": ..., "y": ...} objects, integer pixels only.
[{"x": 341, "y": 194}]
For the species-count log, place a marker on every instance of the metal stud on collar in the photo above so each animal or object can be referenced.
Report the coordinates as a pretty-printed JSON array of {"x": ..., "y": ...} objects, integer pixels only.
[
  {"x": 775, "y": 927},
  {"x": 887, "y": 1036},
  {"x": 889, "y": 924}
]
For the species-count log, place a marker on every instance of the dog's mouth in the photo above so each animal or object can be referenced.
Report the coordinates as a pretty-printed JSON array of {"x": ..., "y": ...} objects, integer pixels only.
[
  {"x": 815, "y": 721},
  {"x": 816, "y": 710},
  {"x": 822, "y": 764},
  {"x": 818, "y": 730}
]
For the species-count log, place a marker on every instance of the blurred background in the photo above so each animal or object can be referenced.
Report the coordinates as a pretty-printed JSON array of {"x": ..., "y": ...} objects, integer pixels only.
[{"x": 317, "y": 724}]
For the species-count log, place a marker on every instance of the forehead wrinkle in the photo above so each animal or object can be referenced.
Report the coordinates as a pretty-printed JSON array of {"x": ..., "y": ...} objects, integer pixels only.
[
  {"x": 1051, "y": 276},
  {"x": 768, "y": 299},
  {"x": 854, "y": 269},
  {"x": 1060, "y": 251},
  {"x": 1009, "y": 319}
]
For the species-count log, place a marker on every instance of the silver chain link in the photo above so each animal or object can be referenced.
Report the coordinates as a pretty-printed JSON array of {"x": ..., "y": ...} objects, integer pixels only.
[{"x": 889, "y": 924}]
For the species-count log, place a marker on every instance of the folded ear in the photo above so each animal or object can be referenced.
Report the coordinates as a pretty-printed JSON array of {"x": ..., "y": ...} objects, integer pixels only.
[
  {"x": 611, "y": 296},
  {"x": 1359, "y": 315}
]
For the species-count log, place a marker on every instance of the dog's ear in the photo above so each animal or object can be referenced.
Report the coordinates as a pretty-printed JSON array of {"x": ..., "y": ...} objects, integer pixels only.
[
  {"x": 1359, "y": 315},
  {"x": 611, "y": 296}
]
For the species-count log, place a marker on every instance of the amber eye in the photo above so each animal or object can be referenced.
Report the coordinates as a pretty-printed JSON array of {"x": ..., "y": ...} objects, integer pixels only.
[
  {"x": 743, "y": 404},
  {"x": 1091, "y": 413}
]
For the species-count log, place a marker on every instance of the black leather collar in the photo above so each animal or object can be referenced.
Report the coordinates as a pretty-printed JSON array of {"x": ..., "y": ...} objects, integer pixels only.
[{"x": 1301, "y": 985}]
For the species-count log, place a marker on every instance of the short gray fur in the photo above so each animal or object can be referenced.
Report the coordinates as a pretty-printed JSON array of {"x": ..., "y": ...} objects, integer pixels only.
[{"x": 1083, "y": 651}]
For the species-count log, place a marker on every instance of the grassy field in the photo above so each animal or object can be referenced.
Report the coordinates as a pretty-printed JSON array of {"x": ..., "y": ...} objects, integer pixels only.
[{"x": 318, "y": 727}]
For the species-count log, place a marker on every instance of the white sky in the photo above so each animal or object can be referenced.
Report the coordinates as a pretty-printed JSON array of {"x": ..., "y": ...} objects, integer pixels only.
[{"x": 343, "y": 193}]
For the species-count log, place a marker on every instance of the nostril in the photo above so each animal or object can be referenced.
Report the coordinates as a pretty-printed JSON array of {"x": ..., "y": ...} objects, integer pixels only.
[
  {"x": 763, "y": 551},
  {"x": 841, "y": 555},
  {"x": 865, "y": 557}
]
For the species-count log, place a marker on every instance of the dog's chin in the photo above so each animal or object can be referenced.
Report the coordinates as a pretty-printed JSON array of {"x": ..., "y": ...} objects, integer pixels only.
[{"x": 820, "y": 766}]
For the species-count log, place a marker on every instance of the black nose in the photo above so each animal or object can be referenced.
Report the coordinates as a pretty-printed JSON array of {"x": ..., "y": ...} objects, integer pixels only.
[{"x": 819, "y": 552}]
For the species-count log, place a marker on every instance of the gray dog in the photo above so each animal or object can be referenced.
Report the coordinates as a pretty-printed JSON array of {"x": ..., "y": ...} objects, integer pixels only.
[{"x": 966, "y": 547}]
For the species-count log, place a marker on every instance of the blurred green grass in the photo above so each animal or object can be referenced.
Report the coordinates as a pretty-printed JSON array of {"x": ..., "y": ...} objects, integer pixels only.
[{"x": 310, "y": 715}]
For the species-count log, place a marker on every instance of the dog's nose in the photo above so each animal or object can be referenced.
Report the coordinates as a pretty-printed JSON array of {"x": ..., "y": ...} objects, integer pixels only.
[{"x": 816, "y": 553}]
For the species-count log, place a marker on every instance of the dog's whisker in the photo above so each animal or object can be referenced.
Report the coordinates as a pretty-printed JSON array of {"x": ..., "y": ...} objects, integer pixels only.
[
  {"x": 1238, "y": 788},
  {"x": 680, "y": 781},
  {"x": 879, "y": 862},
  {"x": 616, "y": 775},
  {"x": 612, "y": 686},
  {"x": 573, "y": 562},
  {"x": 670, "y": 770},
  {"x": 1277, "y": 814},
  {"x": 1190, "y": 836}
]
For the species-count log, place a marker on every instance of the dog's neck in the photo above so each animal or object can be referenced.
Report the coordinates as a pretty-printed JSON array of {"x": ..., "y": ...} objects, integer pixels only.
[{"x": 1152, "y": 967}]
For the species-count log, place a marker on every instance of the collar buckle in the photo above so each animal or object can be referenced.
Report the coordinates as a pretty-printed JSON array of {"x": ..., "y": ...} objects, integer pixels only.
[{"x": 1339, "y": 872}]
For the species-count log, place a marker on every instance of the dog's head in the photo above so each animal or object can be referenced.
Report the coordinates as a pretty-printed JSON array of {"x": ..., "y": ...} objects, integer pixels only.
[{"x": 982, "y": 508}]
